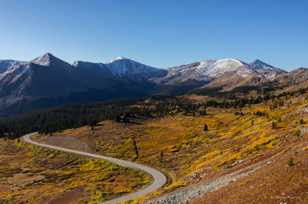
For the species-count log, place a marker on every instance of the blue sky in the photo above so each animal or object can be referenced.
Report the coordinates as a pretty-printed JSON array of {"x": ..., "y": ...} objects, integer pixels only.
[{"x": 161, "y": 33}]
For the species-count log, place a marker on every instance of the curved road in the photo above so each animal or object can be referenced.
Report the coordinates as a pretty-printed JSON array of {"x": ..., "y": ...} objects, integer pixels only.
[{"x": 158, "y": 177}]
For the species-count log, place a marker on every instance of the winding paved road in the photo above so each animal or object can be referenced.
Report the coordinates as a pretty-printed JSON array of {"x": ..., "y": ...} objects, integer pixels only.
[{"x": 158, "y": 177}]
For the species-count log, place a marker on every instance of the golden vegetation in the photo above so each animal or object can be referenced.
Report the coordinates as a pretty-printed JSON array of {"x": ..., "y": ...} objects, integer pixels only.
[
  {"x": 29, "y": 174},
  {"x": 179, "y": 145}
]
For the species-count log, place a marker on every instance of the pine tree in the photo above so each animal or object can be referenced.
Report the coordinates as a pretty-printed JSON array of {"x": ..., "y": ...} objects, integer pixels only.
[
  {"x": 135, "y": 148},
  {"x": 92, "y": 123},
  {"x": 206, "y": 128},
  {"x": 274, "y": 125},
  {"x": 161, "y": 156}
]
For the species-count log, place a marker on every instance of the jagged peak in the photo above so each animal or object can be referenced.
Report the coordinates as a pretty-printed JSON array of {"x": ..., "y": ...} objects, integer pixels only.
[
  {"x": 260, "y": 63},
  {"x": 47, "y": 59}
]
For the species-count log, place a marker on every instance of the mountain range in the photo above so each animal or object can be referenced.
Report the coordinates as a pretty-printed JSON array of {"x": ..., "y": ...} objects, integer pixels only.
[{"x": 48, "y": 81}]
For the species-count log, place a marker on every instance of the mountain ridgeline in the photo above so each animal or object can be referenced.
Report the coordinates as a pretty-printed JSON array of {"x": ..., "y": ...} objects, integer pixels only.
[{"x": 48, "y": 81}]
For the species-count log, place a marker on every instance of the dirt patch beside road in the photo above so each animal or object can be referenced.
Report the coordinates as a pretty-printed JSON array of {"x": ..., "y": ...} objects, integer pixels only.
[
  {"x": 73, "y": 196},
  {"x": 66, "y": 141}
]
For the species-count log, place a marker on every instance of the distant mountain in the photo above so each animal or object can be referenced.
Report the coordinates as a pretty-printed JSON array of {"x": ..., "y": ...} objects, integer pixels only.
[
  {"x": 260, "y": 65},
  {"x": 296, "y": 76},
  {"x": 225, "y": 73},
  {"x": 93, "y": 75},
  {"x": 124, "y": 67},
  {"x": 48, "y": 77},
  {"x": 7, "y": 64},
  {"x": 268, "y": 71},
  {"x": 45, "y": 76},
  {"x": 48, "y": 81}
]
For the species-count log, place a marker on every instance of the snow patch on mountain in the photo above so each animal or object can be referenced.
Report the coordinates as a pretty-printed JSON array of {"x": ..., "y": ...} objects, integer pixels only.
[
  {"x": 208, "y": 70},
  {"x": 44, "y": 60},
  {"x": 16, "y": 69},
  {"x": 49, "y": 60},
  {"x": 7, "y": 64},
  {"x": 13, "y": 74},
  {"x": 119, "y": 58},
  {"x": 227, "y": 65},
  {"x": 122, "y": 67}
]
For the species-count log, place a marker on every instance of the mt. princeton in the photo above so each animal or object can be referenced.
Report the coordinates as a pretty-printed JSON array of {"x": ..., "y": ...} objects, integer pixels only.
[
  {"x": 225, "y": 73},
  {"x": 48, "y": 81}
]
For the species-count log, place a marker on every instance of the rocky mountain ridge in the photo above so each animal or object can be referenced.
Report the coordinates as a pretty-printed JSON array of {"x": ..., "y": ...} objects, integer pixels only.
[{"x": 51, "y": 81}]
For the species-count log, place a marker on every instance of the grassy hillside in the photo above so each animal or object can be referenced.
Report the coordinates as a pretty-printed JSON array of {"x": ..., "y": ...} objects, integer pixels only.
[
  {"x": 180, "y": 145},
  {"x": 30, "y": 174},
  {"x": 283, "y": 181}
]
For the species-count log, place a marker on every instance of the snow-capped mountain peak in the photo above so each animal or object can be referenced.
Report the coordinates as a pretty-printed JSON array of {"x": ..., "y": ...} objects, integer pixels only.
[
  {"x": 49, "y": 60},
  {"x": 122, "y": 66},
  {"x": 229, "y": 61},
  {"x": 227, "y": 68},
  {"x": 44, "y": 60},
  {"x": 226, "y": 65},
  {"x": 119, "y": 59}
]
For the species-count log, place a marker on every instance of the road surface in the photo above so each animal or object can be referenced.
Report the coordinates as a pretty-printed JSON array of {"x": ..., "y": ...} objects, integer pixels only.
[{"x": 159, "y": 179}]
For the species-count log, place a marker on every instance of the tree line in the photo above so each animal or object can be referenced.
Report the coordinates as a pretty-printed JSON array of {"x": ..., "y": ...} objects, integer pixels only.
[{"x": 57, "y": 119}]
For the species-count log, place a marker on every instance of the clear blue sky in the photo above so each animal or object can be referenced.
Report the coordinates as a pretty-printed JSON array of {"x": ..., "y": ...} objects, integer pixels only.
[{"x": 159, "y": 32}]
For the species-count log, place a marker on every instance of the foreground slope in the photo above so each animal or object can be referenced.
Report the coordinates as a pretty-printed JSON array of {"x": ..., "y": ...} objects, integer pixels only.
[
  {"x": 180, "y": 145},
  {"x": 284, "y": 180},
  {"x": 30, "y": 174},
  {"x": 159, "y": 178}
]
